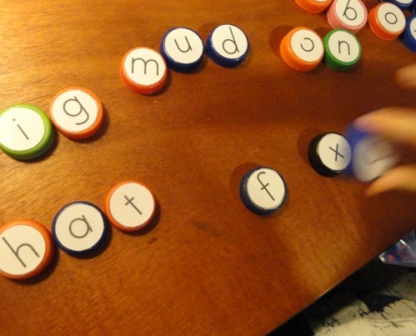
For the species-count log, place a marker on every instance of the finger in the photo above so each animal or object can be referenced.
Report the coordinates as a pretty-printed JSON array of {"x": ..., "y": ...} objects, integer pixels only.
[
  {"x": 399, "y": 178},
  {"x": 406, "y": 76},
  {"x": 396, "y": 124}
]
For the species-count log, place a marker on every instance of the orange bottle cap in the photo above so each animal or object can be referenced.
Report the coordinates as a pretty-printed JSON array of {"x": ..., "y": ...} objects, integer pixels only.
[
  {"x": 143, "y": 70},
  {"x": 130, "y": 206},
  {"x": 387, "y": 21},
  {"x": 77, "y": 113},
  {"x": 313, "y": 6},
  {"x": 26, "y": 248},
  {"x": 302, "y": 49}
]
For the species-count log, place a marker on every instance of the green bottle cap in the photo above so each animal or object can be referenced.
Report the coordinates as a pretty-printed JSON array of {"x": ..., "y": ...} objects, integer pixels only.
[
  {"x": 25, "y": 132},
  {"x": 342, "y": 49}
]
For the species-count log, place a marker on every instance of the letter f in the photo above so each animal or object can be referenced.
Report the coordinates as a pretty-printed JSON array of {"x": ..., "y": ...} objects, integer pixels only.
[{"x": 264, "y": 186}]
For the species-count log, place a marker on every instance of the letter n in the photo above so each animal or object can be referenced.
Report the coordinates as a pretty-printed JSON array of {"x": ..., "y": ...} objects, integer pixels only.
[{"x": 340, "y": 43}]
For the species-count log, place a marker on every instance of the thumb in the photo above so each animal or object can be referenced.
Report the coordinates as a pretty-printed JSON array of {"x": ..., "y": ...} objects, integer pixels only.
[{"x": 399, "y": 178}]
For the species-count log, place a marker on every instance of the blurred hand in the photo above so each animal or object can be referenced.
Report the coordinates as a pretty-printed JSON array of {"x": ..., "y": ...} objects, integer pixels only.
[{"x": 399, "y": 126}]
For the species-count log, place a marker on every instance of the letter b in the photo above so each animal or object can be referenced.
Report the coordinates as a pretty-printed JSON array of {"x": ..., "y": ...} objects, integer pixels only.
[{"x": 350, "y": 12}]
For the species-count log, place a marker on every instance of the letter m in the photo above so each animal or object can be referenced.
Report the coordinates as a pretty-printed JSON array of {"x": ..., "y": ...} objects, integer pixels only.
[{"x": 145, "y": 64}]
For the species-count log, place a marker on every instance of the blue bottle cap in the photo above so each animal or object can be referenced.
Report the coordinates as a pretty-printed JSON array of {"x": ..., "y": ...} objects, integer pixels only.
[
  {"x": 182, "y": 49},
  {"x": 371, "y": 155},
  {"x": 263, "y": 190},
  {"x": 227, "y": 45},
  {"x": 402, "y": 4},
  {"x": 79, "y": 228},
  {"x": 409, "y": 35}
]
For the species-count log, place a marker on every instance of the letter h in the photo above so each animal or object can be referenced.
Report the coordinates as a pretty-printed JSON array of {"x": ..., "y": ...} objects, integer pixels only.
[{"x": 16, "y": 252}]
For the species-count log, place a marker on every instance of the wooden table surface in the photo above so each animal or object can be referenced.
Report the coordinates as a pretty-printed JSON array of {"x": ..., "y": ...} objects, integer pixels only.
[{"x": 206, "y": 265}]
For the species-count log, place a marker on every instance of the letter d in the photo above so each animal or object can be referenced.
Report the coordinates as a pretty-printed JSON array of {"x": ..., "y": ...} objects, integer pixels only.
[{"x": 233, "y": 48}]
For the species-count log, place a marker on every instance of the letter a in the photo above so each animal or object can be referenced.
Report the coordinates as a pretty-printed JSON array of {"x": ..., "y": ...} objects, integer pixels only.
[{"x": 88, "y": 227}]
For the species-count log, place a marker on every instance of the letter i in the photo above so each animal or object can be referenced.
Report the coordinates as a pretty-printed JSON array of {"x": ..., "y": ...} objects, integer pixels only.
[{"x": 21, "y": 130}]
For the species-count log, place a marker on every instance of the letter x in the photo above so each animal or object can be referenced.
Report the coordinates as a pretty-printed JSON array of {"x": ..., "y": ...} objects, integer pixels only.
[{"x": 337, "y": 153}]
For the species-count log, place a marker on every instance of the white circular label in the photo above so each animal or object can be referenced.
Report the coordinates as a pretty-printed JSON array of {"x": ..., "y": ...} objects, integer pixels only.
[
  {"x": 412, "y": 27},
  {"x": 372, "y": 156},
  {"x": 229, "y": 41},
  {"x": 183, "y": 45},
  {"x": 344, "y": 46},
  {"x": 307, "y": 45},
  {"x": 404, "y": 2},
  {"x": 351, "y": 12},
  {"x": 144, "y": 66},
  {"x": 21, "y": 128},
  {"x": 334, "y": 151},
  {"x": 75, "y": 110},
  {"x": 391, "y": 18},
  {"x": 266, "y": 189},
  {"x": 79, "y": 226},
  {"x": 22, "y": 249},
  {"x": 132, "y": 205}
]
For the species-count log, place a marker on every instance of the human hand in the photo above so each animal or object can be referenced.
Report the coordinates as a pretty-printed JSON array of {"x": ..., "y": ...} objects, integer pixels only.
[{"x": 399, "y": 126}]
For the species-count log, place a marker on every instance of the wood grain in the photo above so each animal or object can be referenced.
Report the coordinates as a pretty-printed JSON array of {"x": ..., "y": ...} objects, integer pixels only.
[{"x": 206, "y": 265}]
